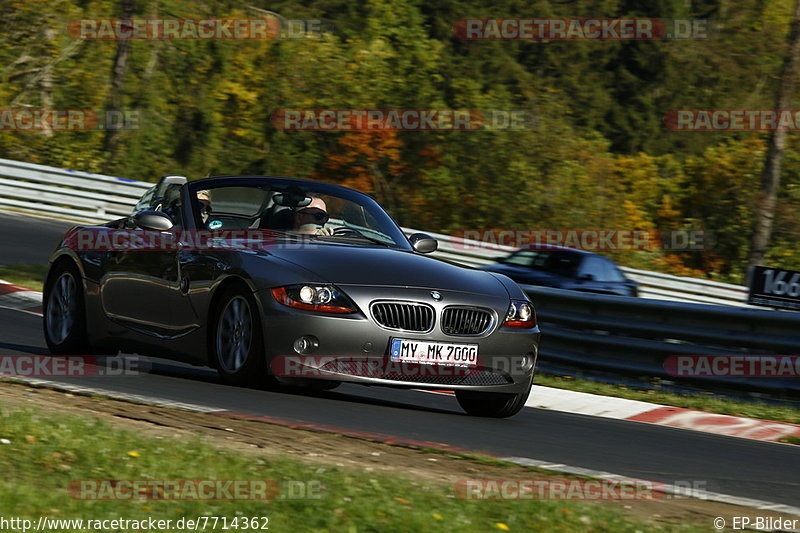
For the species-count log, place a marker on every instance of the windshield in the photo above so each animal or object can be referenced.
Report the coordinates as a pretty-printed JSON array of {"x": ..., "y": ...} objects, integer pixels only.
[{"x": 319, "y": 211}]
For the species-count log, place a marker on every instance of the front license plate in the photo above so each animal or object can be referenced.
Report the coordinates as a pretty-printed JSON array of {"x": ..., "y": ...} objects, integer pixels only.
[{"x": 434, "y": 353}]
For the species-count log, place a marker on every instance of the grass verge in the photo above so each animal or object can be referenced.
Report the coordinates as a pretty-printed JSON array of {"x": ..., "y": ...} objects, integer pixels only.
[
  {"x": 41, "y": 454},
  {"x": 28, "y": 276},
  {"x": 702, "y": 402}
]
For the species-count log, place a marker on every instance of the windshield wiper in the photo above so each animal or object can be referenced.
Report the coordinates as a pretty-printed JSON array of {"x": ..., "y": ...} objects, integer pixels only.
[
  {"x": 358, "y": 235},
  {"x": 373, "y": 239}
]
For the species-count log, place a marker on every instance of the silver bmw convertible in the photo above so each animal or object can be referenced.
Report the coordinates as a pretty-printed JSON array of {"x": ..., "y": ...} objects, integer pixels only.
[{"x": 288, "y": 281}]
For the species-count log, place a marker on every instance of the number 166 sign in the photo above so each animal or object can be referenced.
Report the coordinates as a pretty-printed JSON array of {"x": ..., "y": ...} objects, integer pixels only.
[{"x": 774, "y": 287}]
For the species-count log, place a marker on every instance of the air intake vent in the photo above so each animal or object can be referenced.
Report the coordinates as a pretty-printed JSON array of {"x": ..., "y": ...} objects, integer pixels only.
[
  {"x": 466, "y": 321},
  {"x": 405, "y": 316},
  {"x": 414, "y": 373}
]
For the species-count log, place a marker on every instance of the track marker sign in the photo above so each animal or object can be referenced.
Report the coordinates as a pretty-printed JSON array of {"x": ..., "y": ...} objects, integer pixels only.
[{"x": 774, "y": 287}]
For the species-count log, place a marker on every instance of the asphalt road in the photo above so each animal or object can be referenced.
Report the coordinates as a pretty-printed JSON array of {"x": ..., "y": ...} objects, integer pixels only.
[
  {"x": 25, "y": 239},
  {"x": 741, "y": 467}
]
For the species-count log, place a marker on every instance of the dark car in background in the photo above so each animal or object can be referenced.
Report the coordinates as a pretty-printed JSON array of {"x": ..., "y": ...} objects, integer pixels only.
[{"x": 565, "y": 268}]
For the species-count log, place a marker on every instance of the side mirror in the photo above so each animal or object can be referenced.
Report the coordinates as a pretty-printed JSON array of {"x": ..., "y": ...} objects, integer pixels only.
[
  {"x": 586, "y": 277},
  {"x": 423, "y": 243},
  {"x": 153, "y": 220}
]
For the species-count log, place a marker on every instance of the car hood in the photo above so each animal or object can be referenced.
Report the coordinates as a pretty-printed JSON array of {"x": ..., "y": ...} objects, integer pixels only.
[{"x": 351, "y": 265}]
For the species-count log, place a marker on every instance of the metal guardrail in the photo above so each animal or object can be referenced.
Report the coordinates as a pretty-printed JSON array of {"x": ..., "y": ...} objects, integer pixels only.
[
  {"x": 84, "y": 196},
  {"x": 634, "y": 336},
  {"x": 618, "y": 334},
  {"x": 81, "y": 196}
]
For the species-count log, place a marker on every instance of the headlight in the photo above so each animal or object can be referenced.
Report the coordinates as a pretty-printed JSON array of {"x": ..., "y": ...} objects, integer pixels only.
[
  {"x": 320, "y": 298},
  {"x": 520, "y": 315}
]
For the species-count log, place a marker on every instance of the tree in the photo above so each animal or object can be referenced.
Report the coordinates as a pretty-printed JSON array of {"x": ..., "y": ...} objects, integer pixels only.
[
  {"x": 771, "y": 176},
  {"x": 115, "y": 97}
]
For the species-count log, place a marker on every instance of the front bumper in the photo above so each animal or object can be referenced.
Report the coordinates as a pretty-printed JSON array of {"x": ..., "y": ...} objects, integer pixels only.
[{"x": 354, "y": 348}]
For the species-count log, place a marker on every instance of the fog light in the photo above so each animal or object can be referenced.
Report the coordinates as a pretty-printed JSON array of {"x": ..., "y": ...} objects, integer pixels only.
[
  {"x": 306, "y": 344},
  {"x": 530, "y": 361}
]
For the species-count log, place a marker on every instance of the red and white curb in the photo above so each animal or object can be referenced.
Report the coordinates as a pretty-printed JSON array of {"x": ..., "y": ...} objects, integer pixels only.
[
  {"x": 664, "y": 415},
  {"x": 584, "y": 403},
  {"x": 21, "y": 299}
]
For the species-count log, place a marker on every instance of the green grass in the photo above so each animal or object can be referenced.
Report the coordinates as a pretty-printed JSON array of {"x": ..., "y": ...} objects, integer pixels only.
[
  {"x": 701, "y": 402},
  {"x": 28, "y": 276},
  {"x": 40, "y": 454}
]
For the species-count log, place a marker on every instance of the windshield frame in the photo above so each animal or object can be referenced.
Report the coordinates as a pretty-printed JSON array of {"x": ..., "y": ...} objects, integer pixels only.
[{"x": 276, "y": 183}]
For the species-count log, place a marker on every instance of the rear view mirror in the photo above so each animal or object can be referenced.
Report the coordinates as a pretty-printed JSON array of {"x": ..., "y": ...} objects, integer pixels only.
[
  {"x": 153, "y": 220},
  {"x": 423, "y": 243},
  {"x": 291, "y": 198}
]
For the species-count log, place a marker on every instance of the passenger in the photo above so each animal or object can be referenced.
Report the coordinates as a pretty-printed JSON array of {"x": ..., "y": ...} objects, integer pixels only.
[{"x": 204, "y": 199}]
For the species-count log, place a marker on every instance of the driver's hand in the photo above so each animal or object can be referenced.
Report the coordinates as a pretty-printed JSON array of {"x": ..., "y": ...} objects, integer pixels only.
[{"x": 324, "y": 231}]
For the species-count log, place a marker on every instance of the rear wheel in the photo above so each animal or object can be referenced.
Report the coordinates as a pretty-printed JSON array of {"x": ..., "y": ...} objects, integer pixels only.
[
  {"x": 64, "y": 314},
  {"x": 491, "y": 404},
  {"x": 237, "y": 342}
]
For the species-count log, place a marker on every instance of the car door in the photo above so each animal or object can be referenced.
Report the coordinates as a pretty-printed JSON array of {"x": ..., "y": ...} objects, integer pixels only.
[
  {"x": 198, "y": 267},
  {"x": 139, "y": 282}
]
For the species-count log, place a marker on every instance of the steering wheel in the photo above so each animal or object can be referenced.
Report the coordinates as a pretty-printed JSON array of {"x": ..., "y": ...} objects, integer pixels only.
[{"x": 346, "y": 231}]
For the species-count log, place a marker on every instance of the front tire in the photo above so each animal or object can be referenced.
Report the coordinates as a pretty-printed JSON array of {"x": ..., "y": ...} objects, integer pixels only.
[
  {"x": 64, "y": 312},
  {"x": 237, "y": 342},
  {"x": 491, "y": 404}
]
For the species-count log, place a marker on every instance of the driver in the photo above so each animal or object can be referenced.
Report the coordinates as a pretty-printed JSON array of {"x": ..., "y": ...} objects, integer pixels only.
[{"x": 311, "y": 219}]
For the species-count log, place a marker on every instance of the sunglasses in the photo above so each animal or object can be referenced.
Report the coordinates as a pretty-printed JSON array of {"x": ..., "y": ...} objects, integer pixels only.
[{"x": 318, "y": 215}]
